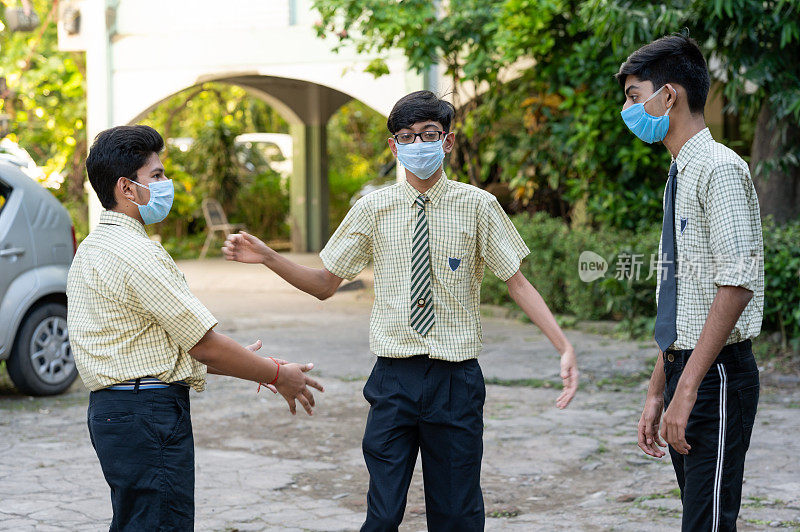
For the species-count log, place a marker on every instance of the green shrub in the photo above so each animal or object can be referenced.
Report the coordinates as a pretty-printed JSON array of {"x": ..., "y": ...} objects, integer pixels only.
[
  {"x": 782, "y": 281},
  {"x": 262, "y": 205},
  {"x": 552, "y": 267},
  {"x": 546, "y": 266}
]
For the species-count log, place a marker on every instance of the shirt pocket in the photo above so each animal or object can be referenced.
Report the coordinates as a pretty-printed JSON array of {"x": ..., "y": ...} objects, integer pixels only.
[{"x": 452, "y": 259}]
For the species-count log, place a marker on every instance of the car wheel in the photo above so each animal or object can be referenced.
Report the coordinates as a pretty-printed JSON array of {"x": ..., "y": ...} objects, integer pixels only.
[{"x": 41, "y": 360}]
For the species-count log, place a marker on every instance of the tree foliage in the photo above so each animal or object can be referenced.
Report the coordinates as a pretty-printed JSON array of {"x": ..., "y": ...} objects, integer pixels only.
[
  {"x": 46, "y": 106},
  {"x": 357, "y": 153},
  {"x": 209, "y": 117},
  {"x": 542, "y": 112}
]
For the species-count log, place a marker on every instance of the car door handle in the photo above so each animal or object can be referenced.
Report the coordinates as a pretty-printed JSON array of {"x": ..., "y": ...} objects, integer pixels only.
[{"x": 11, "y": 252}]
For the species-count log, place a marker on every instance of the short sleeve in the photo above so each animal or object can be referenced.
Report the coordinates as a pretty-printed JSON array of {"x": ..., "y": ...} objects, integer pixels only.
[
  {"x": 499, "y": 242},
  {"x": 734, "y": 246},
  {"x": 350, "y": 248},
  {"x": 159, "y": 288}
]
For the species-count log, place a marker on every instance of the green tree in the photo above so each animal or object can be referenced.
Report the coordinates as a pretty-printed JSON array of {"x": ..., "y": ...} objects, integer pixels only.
[
  {"x": 537, "y": 104},
  {"x": 357, "y": 152},
  {"x": 210, "y": 165},
  {"x": 459, "y": 38},
  {"x": 46, "y": 106},
  {"x": 545, "y": 115},
  {"x": 752, "y": 47}
]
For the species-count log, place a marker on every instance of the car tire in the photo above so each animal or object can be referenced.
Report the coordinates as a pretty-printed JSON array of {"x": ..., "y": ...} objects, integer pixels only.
[{"x": 41, "y": 360}]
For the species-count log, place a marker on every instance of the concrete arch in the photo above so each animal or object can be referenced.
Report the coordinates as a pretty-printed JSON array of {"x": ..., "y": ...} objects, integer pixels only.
[
  {"x": 296, "y": 100},
  {"x": 140, "y": 52},
  {"x": 307, "y": 107},
  {"x": 284, "y": 110}
]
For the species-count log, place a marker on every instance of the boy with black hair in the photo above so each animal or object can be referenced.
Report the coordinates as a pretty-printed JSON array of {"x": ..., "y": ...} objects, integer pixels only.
[
  {"x": 141, "y": 339},
  {"x": 430, "y": 239},
  {"x": 710, "y": 291}
]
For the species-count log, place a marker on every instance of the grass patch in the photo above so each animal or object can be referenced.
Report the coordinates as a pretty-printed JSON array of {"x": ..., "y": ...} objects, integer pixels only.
[
  {"x": 618, "y": 382},
  {"x": 527, "y": 383},
  {"x": 763, "y": 502},
  {"x": 674, "y": 493},
  {"x": 352, "y": 378},
  {"x": 651, "y": 497},
  {"x": 770, "y": 354},
  {"x": 566, "y": 321},
  {"x": 503, "y": 513},
  {"x": 794, "y": 524}
]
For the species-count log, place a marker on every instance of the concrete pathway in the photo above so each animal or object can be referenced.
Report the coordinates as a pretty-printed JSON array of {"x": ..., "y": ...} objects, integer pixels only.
[{"x": 259, "y": 468}]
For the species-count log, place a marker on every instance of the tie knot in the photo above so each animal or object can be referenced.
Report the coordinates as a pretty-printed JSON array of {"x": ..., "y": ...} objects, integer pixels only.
[
  {"x": 673, "y": 169},
  {"x": 421, "y": 199}
]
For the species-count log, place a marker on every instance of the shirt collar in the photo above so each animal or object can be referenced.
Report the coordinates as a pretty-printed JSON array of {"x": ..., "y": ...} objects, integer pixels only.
[
  {"x": 692, "y": 148},
  {"x": 434, "y": 193},
  {"x": 117, "y": 218}
]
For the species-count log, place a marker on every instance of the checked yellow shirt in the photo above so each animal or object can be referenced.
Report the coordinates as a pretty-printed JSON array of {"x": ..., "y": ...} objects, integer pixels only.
[
  {"x": 130, "y": 312},
  {"x": 718, "y": 237},
  {"x": 468, "y": 231}
]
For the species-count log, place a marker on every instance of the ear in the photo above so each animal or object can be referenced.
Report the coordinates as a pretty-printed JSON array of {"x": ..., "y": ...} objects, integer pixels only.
[
  {"x": 125, "y": 188},
  {"x": 449, "y": 142},
  {"x": 392, "y": 145},
  {"x": 671, "y": 96}
]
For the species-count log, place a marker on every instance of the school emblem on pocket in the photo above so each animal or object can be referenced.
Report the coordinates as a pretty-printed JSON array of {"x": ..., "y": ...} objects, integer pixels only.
[
  {"x": 684, "y": 222},
  {"x": 454, "y": 263}
]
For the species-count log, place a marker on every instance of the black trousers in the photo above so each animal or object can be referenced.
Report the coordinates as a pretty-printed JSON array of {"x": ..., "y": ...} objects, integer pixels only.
[
  {"x": 145, "y": 445},
  {"x": 434, "y": 407},
  {"x": 718, "y": 431}
]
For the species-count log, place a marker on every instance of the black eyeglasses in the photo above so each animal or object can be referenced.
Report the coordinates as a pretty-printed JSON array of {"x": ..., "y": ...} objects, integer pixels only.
[{"x": 426, "y": 136}]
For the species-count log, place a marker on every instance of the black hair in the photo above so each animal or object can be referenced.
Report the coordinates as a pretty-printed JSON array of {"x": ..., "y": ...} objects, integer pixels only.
[
  {"x": 420, "y": 106},
  {"x": 671, "y": 59},
  {"x": 119, "y": 152}
]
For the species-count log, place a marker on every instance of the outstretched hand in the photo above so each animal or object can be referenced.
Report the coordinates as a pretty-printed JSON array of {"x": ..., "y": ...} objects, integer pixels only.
[
  {"x": 293, "y": 384},
  {"x": 246, "y": 248},
  {"x": 255, "y": 347}
]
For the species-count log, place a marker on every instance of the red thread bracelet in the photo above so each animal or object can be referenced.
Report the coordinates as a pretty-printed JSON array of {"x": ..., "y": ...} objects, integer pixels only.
[{"x": 277, "y": 372}]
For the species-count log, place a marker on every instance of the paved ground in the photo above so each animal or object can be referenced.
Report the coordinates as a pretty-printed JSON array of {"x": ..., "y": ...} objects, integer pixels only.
[{"x": 258, "y": 468}]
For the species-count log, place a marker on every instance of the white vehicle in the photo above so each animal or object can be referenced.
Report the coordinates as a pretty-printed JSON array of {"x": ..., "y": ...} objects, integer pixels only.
[{"x": 255, "y": 150}]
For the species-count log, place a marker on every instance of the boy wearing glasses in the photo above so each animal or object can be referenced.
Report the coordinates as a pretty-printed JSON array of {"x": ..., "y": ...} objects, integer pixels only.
[{"x": 430, "y": 239}]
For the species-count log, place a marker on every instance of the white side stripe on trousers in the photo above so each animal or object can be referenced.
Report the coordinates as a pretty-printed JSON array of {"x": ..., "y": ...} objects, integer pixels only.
[{"x": 723, "y": 415}]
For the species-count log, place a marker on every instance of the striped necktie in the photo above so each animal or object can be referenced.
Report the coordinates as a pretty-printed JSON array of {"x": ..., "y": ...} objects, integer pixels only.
[
  {"x": 422, "y": 314},
  {"x": 666, "y": 313}
]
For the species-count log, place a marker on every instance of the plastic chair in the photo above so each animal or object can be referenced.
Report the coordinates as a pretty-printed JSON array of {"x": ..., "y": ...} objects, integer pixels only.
[{"x": 216, "y": 221}]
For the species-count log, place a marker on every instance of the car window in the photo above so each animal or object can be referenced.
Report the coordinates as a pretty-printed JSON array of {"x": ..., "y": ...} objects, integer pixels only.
[{"x": 5, "y": 191}]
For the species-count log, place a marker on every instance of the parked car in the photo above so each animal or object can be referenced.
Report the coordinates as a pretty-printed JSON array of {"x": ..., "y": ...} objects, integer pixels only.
[
  {"x": 386, "y": 178},
  {"x": 37, "y": 243},
  {"x": 257, "y": 152}
]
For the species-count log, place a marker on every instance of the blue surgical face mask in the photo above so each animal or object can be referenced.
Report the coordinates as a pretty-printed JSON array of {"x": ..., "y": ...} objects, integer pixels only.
[
  {"x": 421, "y": 158},
  {"x": 647, "y": 127},
  {"x": 161, "y": 195}
]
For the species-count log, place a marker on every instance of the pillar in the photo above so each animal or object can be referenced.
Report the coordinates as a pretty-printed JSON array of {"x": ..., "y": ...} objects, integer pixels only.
[
  {"x": 309, "y": 187},
  {"x": 96, "y": 16}
]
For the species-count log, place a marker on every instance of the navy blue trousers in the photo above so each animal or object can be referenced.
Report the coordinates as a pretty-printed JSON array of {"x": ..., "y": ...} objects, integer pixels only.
[
  {"x": 146, "y": 450},
  {"x": 434, "y": 407},
  {"x": 719, "y": 429}
]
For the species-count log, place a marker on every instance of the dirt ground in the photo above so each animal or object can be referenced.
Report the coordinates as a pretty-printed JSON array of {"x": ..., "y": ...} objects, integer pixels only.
[{"x": 259, "y": 468}]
